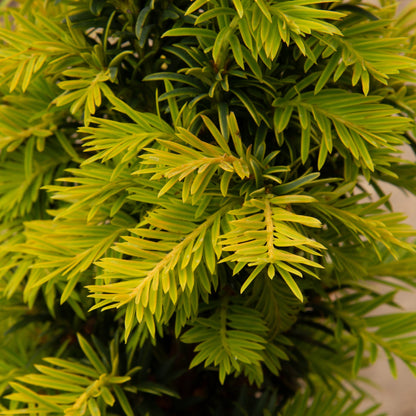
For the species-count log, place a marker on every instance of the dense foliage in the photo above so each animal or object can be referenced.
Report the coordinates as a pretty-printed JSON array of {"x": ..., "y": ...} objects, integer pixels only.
[{"x": 186, "y": 224}]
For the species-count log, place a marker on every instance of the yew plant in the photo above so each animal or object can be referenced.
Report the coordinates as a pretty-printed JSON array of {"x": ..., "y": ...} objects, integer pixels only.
[{"x": 192, "y": 214}]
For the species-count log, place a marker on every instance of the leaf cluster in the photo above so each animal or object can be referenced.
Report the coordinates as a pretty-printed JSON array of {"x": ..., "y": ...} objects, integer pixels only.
[{"x": 192, "y": 214}]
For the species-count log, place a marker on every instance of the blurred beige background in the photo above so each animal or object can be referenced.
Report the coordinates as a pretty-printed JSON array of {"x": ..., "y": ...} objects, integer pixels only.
[{"x": 398, "y": 396}]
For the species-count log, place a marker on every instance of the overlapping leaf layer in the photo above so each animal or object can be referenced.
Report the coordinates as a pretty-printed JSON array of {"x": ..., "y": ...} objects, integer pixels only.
[{"x": 197, "y": 189}]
